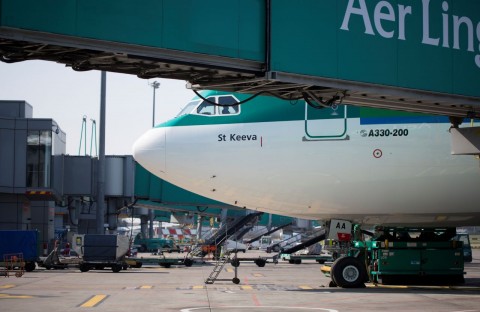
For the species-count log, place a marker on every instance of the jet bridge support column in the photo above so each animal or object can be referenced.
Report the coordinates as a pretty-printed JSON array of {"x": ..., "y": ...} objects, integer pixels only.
[
  {"x": 101, "y": 158},
  {"x": 199, "y": 227}
]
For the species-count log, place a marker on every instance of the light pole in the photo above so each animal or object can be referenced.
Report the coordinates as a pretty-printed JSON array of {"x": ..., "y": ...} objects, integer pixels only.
[{"x": 155, "y": 85}]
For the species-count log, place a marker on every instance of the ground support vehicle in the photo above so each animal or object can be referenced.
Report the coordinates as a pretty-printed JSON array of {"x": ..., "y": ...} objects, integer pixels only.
[
  {"x": 297, "y": 259},
  {"x": 162, "y": 261},
  {"x": 15, "y": 245},
  {"x": 101, "y": 251},
  {"x": 401, "y": 255},
  {"x": 259, "y": 261},
  {"x": 467, "y": 247},
  {"x": 56, "y": 261},
  {"x": 155, "y": 244}
]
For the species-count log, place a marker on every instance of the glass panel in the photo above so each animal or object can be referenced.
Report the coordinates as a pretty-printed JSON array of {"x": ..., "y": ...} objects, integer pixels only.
[
  {"x": 33, "y": 140},
  {"x": 39, "y": 152},
  {"x": 189, "y": 108},
  {"x": 206, "y": 108},
  {"x": 228, "y": 100}
]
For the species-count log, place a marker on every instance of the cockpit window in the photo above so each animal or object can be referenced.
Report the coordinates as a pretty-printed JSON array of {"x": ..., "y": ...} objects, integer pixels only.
[
  {"x": 206, "y": 108},
  {"x": 200, "y": 107},
  {"x": 188, "y": 108},
  {"x": 228, "y": 100}
]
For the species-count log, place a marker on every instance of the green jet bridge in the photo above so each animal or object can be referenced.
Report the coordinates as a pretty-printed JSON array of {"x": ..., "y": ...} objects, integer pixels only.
[{"x": 421, "y": 56}]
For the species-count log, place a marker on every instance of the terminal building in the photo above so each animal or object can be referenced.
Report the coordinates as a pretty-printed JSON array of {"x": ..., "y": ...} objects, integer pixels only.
[{"x": 42, "y": 188}]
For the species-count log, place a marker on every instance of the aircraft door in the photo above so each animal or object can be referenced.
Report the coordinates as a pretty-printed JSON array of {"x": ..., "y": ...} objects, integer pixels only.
[{"x": 328, "y": 123}]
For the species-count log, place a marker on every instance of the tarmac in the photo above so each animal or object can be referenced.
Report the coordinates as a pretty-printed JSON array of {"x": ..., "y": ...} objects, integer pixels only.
[{"x": 275, "y": 287}]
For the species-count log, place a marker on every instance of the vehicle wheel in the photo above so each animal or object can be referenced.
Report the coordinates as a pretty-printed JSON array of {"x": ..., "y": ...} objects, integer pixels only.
[
  {"x": 188, "y": 262},
  {"x": 235, "y": 263},
  {"x": 48, "y": 267},
  {"x": 291, "y": 261},
  {"x": 236, "y": 280},
  {"x": 348, "y": 272},
  {"x": 84, "y": 268},
  {"x": 332, "y": 284},
  {"x": 298, "y": 261},
  {"x": 260, "y": 263},
  {"x": 138, "y": 265},
  {"x": 165, "y": 265},
  {"x": 116, "y": 268},
  {"x": 321, "y": 261},
  {"x": 30, "y": 266},
  {"x": 142, "y": 248}
]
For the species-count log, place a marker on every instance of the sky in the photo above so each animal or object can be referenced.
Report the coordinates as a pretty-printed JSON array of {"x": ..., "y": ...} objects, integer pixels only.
[{"x": 64, "y": 95}]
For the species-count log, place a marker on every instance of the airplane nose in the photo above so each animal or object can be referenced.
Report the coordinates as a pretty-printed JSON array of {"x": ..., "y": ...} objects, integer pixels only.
[{"x": 150, "y": 151}]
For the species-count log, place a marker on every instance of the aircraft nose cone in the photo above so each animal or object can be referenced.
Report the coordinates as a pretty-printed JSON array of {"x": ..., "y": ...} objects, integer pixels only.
[{"x": 149, "y": 151}]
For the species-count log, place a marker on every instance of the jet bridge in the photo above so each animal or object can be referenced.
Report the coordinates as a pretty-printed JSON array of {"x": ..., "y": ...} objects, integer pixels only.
[{"x": 422, "y": 56}]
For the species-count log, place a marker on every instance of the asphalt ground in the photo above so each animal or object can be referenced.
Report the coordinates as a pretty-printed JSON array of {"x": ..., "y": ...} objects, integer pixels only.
[{"x": 275, "y": 287}]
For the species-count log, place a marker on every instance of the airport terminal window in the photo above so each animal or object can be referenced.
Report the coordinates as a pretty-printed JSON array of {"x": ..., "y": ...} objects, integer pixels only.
[{"x": 39, "y": 151}]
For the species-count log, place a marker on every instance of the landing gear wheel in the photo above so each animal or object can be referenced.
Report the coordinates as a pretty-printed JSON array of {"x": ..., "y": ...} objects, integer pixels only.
[
  {"x": 236, "y": 280},
  {"x": 349, "y": 272},
  {"x": 332, "y": 284}
]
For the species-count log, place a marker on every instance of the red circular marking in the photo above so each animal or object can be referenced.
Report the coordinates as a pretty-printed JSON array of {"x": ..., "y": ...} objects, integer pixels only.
[{"x": 377, "y": 153}]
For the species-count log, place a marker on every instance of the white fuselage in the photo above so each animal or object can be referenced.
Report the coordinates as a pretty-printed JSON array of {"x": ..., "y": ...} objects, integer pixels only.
[{"x": 270, "y": 166}]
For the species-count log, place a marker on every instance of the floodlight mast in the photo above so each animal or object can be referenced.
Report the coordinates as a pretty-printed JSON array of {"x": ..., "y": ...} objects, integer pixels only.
[{"x": 155, "y": 85}]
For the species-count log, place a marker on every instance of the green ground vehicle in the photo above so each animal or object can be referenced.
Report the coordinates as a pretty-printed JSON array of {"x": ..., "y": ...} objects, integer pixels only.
[
  {"x": 401, "y": 255},
  {"x": 467, "y": 248},
  {"x": 155, "y": 244}
]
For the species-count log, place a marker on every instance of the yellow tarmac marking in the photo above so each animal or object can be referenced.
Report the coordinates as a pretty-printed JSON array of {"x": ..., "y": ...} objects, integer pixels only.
[
  {"x": 146, "y": 287},
  {"x": 258, "y": 275},
  {"x": 7, "y": 296},
  {"x": 246, "y": 287},
  {"x": 304, "y": 287},
  {"x": 7, "y": 286},
  {"x": 229, "y": 270},
  {"x": 92, "y": 302},
  {"x": 198, "y": 287}
]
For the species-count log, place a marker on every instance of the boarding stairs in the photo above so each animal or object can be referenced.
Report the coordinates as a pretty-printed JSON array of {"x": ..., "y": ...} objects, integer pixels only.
[
  {"x": 219, "y": 265},
  {"x": 291, "y": 245},
  {"x": 256, "y": 238},
  {"x": 225, "y": 232}
]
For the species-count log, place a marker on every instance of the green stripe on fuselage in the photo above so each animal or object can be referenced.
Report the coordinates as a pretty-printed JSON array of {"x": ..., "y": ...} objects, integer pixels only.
[{"x": 270, "y": 109}]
